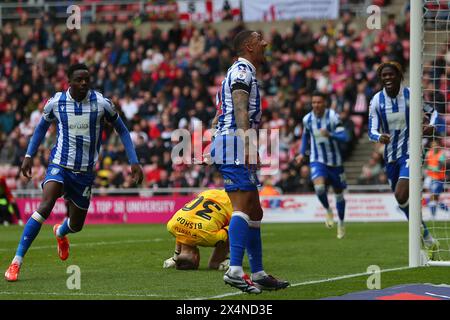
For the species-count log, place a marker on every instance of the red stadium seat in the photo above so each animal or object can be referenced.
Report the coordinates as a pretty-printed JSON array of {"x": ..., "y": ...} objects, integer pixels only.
[
  {"x": 13, "y": 171},
  {"x": 11, "y": 183},
  {"x": 107, "y": 12},
  {"x": 4, "y": 170},
  {"x": 123, "y": 17},
  {"x": 133, "y": 8}
]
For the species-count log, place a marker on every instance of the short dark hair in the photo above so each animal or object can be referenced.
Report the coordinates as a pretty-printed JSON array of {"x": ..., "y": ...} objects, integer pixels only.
[
  {"x": 323, "y": 95},
  {"x": 75, "y": 67},
  {"x": 240, "y": 39},
  {"x": 183, "y": 262}
]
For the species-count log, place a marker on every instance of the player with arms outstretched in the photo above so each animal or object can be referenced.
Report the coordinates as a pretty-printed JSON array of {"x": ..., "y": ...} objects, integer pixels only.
[
  {"x": 241, "y": 110},
  {"x": 79, "y": 113},
  {"x": 322, "y": 130},
  {"x": 389, "y": 111},
  {"x": 203, "y": 222}
]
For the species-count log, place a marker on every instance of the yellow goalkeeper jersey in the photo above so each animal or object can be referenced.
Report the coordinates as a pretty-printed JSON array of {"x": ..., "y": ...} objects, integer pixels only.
[{"x": 204, "y": 220}]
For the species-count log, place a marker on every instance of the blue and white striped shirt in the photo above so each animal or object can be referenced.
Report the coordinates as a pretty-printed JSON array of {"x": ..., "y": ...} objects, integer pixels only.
[
  {"x": 392, "y": 117},
  {"x": 79, "y": 127},
  {"x": 323, "y": 149},
  {"x": 241, "y": 75}
]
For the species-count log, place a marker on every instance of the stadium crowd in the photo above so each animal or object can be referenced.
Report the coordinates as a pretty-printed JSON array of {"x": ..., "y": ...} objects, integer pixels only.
[{"x": 164, "y": 80}]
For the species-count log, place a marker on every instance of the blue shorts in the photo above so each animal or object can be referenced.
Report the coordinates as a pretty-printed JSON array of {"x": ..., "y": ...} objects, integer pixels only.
[
  {"x": 396, "y": 170},
  {"x": 437, "y": 186},
  {"x": 238, "y": 177},
  {"x": 333, "y": 175},
  {"x": 227, "y": 152},
  {"x": 77, "y": 185}
]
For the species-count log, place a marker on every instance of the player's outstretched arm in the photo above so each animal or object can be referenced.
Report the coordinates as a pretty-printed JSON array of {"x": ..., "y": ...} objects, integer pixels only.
[
  {"x": 124, "y": 134},
  {"x": 36, "y": 139}
]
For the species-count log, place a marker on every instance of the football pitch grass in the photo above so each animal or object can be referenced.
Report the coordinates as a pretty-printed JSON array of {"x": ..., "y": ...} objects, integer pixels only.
[{"x": 125, "y": 262}]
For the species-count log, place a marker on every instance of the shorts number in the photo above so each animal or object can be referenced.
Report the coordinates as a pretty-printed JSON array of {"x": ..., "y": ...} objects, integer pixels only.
[
  {"x": 407, "y": 163},
  {"x": 87, "y": 193},
  {"x": 342, "y": 177},
  {"x": 205, "y": 212}
]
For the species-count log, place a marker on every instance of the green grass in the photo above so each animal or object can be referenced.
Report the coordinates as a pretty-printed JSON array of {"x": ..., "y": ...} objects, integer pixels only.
[{"x": 125, "y": 262}]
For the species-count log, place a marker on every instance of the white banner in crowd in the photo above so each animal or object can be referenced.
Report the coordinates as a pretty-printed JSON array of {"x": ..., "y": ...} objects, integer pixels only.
[
  {"x": 271, "y": 10},
  {"x": 359, "y": 207},
  {"x": 209, "y": 10}
]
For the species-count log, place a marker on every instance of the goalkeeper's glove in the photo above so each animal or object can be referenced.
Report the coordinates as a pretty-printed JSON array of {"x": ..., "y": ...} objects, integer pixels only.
[
  {"x": 169, "y": 263},
  {"x": 224, "y": 265}
]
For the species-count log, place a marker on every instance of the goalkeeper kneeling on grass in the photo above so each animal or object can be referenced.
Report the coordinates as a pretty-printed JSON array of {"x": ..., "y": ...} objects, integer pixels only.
[{"x": 203, "y": 222}]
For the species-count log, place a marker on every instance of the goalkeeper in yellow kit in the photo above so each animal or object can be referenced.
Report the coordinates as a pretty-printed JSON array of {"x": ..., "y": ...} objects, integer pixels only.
[{"x": 201, "y": 222}]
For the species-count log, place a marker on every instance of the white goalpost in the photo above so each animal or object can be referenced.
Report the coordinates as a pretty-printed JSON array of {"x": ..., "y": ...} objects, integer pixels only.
[
  {"x": 430, "y": 84},
  {"x": 415, "y": 134}
]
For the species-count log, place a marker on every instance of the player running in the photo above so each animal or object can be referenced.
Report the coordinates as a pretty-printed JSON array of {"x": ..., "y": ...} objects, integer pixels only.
[
  {"x": 201, "y": 222},
  {"x": 79, "y": 113},
  {"x": 389, "y": 111},
  {"x": 231, "y": 153},
  {"x": 322, "y": 130},
  {"x": 435, "y": 170}
]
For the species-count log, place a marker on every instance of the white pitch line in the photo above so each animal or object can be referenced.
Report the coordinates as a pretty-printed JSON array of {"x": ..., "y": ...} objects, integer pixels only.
[
  {"x": 91, "y": 244},
  {"x": 311, "y": 282},
  {"x": 437, "y": 295}
]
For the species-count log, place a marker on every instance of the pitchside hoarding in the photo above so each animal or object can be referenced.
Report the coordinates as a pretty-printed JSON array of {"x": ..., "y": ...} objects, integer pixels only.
[{"x": 286, "y": 208}]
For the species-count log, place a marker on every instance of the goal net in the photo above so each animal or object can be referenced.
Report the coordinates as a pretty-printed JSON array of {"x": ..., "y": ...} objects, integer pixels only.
[{"x": 436, "y": 146}]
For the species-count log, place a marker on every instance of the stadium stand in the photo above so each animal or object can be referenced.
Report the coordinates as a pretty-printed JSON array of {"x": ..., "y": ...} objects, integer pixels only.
[{"x": 161, "y": 80}]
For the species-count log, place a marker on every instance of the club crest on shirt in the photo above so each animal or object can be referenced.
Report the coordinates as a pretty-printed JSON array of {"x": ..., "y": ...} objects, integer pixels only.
[
  {"x": 54, "y": 171},
  {"x": 242, "y": 73}
]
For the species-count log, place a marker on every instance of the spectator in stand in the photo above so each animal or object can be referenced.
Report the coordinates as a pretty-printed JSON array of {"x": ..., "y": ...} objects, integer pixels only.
[
  {"x": 8, "y": 205},
  {"x": 371, "y": 171},
  {"x": 150, "y": 75}
]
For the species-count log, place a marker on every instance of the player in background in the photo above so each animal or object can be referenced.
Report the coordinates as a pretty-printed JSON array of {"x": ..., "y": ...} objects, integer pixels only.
[
  {"x": 241, "y": 110},
  {"x": 201, "y": 222},
  {"x": 322, "y": 130},
  {"x": 79, "y": 113},
  {"x": 389, "y": 112},
  {"x": 435, "y": 171},
  {"x": 8, "y": 205}
]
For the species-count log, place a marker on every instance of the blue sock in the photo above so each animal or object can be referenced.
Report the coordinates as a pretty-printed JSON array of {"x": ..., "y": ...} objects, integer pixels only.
[
  {"x": 31, "y": 230},
  {"x": 64, "y": 228},
  {"x": 425, "y": 230},
  {"x": 254, "y": 249},
  {"x": 340, "y": 206},
  {"x": 433, "y": 208},
  {"x": 321, "y": 193},
  {"x": 238, "y": 235}
]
